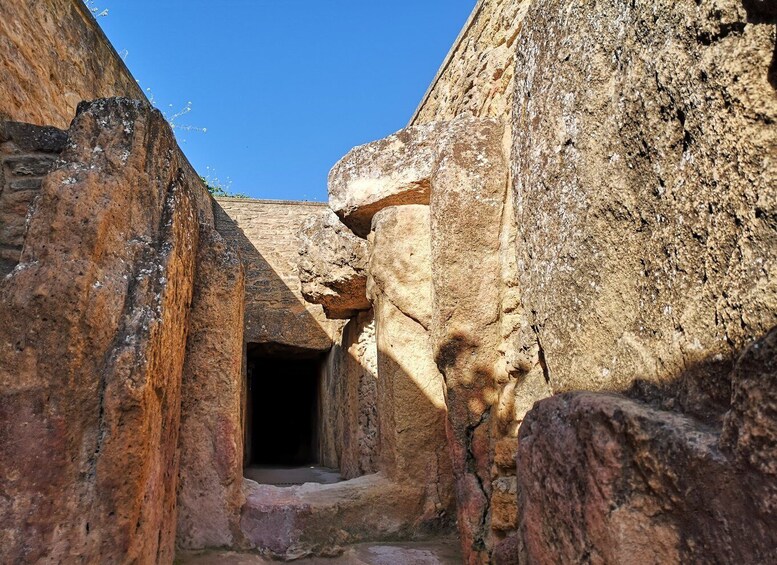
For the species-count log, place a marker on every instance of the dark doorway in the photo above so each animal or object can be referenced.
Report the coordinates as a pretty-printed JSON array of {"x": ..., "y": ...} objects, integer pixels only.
[{"x": 282, "y": 406}]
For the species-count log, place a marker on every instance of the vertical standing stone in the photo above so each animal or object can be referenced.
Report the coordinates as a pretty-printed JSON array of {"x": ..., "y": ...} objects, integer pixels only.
[
  {"x": 348, "y": 400},
  {"x": 411, "y": 401},
  {"x": 92, "y": 340},
  {"x": 468, "y": 191},
  {"x": 210, "y": 489}
]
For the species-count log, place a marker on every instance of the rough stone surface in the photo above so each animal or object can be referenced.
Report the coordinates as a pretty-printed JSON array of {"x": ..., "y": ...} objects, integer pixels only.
[
  {"x": 388, "y": 172},
  {"x": 437, "y": 552},
  {"x": 604, "y": 479},
  {"x": 266, "y": 234},
  {"x": 411, "y": 399},
  {"x": 646, "y": 190},
  {"x": 750, "y": 426},
  {"x": 53, "y": 55},
  {"x": 92, "y": 338},
  {"x": 333, "y": 266},
  {"x": 400, "y": 267},
  {"x": 477, "y": 77},
  {"x": 210, "y": 483},
  {"x": 348, "y": 434},
  {"x": 314, "y": 519},
  {"x": 468, "y": 192}
]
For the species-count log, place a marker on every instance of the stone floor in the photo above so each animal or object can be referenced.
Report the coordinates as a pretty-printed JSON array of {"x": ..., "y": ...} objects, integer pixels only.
[
  {"x": 437, "y": 552},
  {"x": 288, "y": 476}
]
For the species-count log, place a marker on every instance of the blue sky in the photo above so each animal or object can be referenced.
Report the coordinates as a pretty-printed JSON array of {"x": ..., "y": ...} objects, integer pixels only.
[{"x": 284, "y": 87}]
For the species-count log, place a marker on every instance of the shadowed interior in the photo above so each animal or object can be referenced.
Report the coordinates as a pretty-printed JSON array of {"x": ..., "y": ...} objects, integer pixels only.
[{"x": 282, "y": 407}]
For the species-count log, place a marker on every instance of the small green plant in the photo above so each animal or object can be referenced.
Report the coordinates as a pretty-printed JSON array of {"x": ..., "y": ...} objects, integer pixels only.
[{"x": 218, "y": 188}]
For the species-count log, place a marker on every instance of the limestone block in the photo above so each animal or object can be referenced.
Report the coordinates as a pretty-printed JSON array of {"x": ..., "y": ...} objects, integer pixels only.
[
  {"x": 504, "y": 510},
  {"x": 646, "y": 190},
  {"x": 389, "y": 172},
  {"x": 348, "y": 435},
  {"x": 210, "y": 477},
  {"x": 400, "y": 267},
  {"x": 333, "y": 266},
  {"x": 468, "y": 192},
  {"x": 411, "y": 397},
  {"x": 92, "y": 339},
  {"x": 312, "y": 519},
  {"x": 505, "y": 450},
  {"x": 605, "y": 479}
]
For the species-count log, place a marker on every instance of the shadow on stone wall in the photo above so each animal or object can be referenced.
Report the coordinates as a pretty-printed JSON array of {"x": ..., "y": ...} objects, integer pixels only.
[
  {"x": 764, "y": 12},
  {"x": 274, "y": 313}
]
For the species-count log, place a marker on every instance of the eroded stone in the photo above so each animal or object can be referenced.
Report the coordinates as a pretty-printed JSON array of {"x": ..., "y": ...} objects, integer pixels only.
[
  {"x": 610, "y": 480},
  {"x": 389, "y": 172},
  {"x": 210, "y": 488},
  {"x": 93, "y": 331},
  {"x": 333, "y": 266}
]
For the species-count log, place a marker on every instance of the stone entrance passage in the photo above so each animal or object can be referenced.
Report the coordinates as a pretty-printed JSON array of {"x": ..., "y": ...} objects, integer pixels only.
[{"x": 281, "y": 407}]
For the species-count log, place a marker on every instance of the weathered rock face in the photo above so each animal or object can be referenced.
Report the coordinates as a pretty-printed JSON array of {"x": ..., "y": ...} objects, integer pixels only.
[
  {"x": 53, "y": 55},
  {"x": 606, "y": 479},
  {"x": 477, "y": 77},
  {"x": 210, "y": 484},
  {"x": 27, "y": 154},
  {"x": 646, "y": 192},
  {"x": 468, "y": 191},
  {"x": 443, "y": 272},
  {"x": 400, "y": 263},
  {"x": 645, "y": 195},
  {"x": 348, "y": 401},
  {"x": 92, "y": 338},
  {"x": 411, "y": 399},
  {"x": 750, "y": 426},
  {"x": 333, "y": 266},
  {"x": 389, "y": 172}
]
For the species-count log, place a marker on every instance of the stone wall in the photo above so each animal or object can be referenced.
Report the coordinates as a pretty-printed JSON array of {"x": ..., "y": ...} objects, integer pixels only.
[
  {"x": 53, "y": 55},
  {"x": 348, "y": 401},
  {"x": 266, "y": 233},
  {"x": 646, "y": 217},
  {"x": 210, "y": 478},
  {"x": 478, "y": 74},
  {"x": 92, "y": 338},
  {"x": 644, "y": 183},
  {"x": 27, "y": 154},
  {"x": 117, "y": 261}
]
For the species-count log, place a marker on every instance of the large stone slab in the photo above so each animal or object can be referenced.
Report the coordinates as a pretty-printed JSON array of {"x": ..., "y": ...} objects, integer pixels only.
[
  {"x": 210, "y": 477},
  {"x": 92, "y": 338},
  {"x": 468, "y": 193},
  {"x": 605, "y": 479},
  {"x": 411, "y": 398},
  {"x": 392, "y": 171},
  {"x": 333, "y": 266},
  {"x": 646, "y": 190},
  {"x": 348, "y": 405},
  {"x": 313, "y": 519}
]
